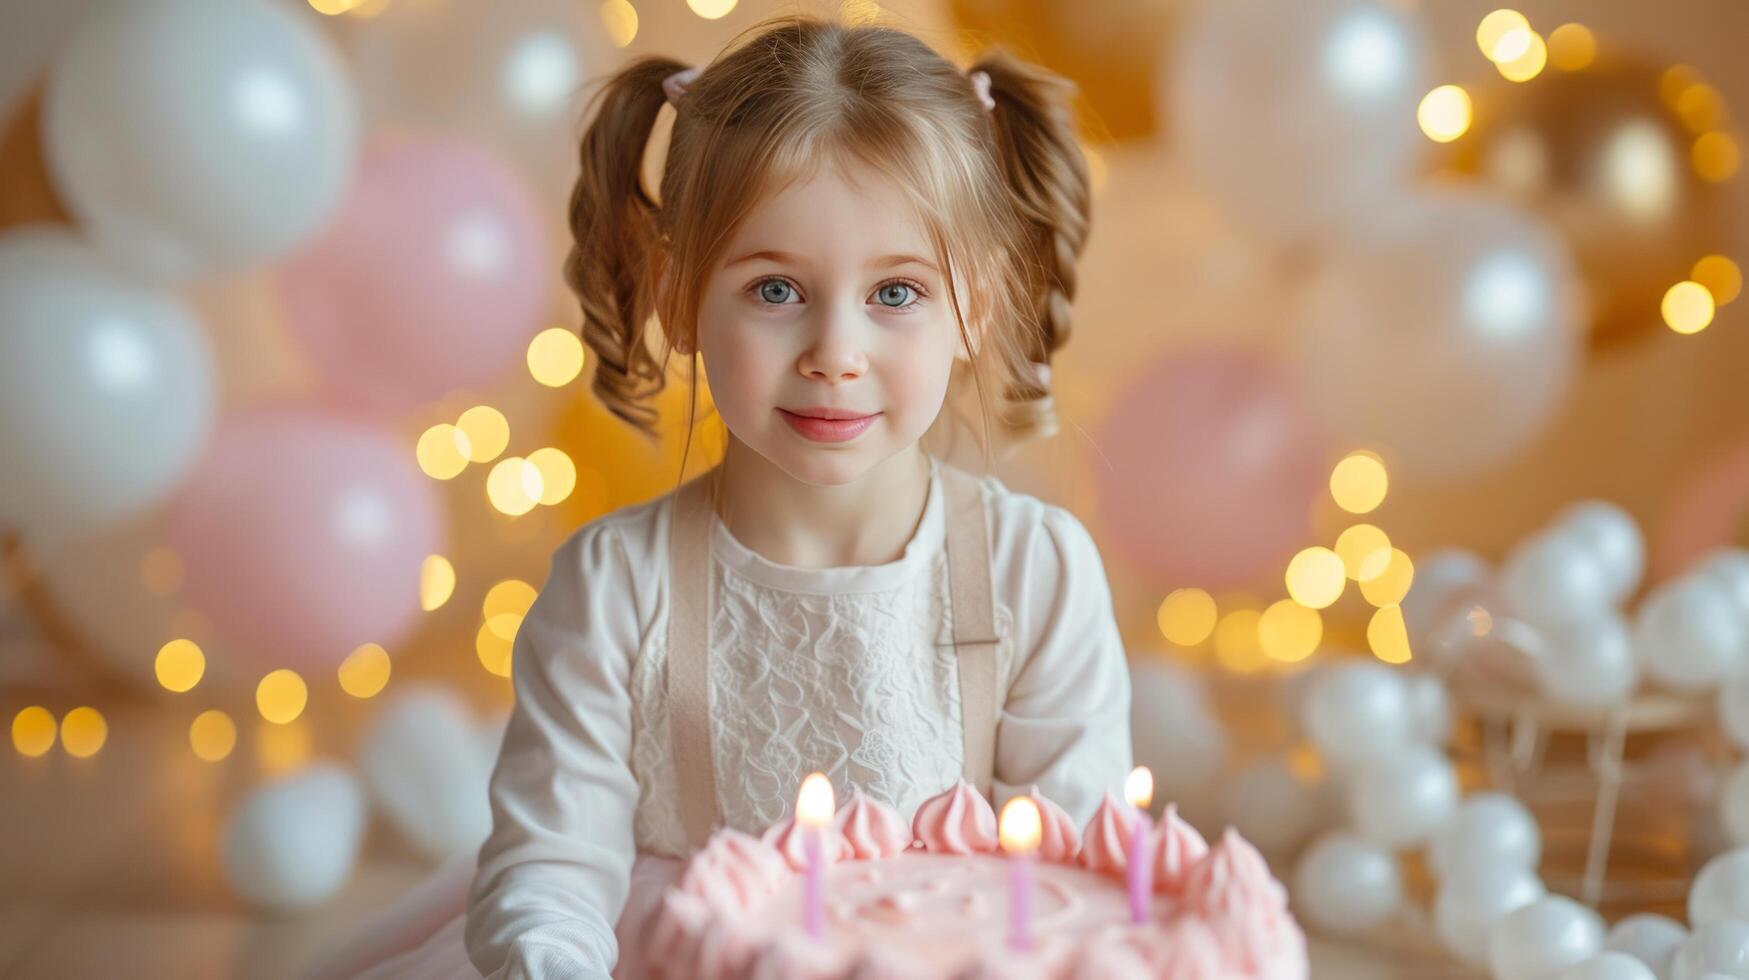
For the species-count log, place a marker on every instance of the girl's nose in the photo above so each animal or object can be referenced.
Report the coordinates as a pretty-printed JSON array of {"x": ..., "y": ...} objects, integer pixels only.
[{"x": 836, "y": 351}]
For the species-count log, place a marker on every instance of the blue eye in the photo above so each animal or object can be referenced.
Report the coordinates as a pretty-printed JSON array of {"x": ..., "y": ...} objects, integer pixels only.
[
  {"x": 773, "y": 291},
  {"x": 894, "y": 291}
]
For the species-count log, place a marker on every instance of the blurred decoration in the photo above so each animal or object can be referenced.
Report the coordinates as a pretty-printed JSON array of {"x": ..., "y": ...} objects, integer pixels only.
[
  {"x": 1707, "y": 509},
  {"x": 1111, "y": 50},
  {"x": 433, "y": 277},
  {"x": 106, "y": 387},
  {"x": 27, "y": 193},
  {"x": 291, "y": 844},
  {"x": 512, "y": 75},
  {"x": 304, "y": 535},
  {"x": 1614, "y": 156},
  {"x": 252, "y": 140},
  {"x": 426, "y": 768},
  {"x": 1445, "y": 327},
  {"x": 1296, "y": 116},
  {"x": 617, "y": 466},
  {"x": 1205, "y": 468}
]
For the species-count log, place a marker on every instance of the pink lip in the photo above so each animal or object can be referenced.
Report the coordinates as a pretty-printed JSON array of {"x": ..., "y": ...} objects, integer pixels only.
[{"x": 828, "y": 429}]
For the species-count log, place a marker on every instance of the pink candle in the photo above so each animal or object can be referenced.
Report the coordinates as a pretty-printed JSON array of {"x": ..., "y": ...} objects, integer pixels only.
[
  {"x": 1139, "y": 866},
  {"x": 814, "y": 811},
  {"x": 1019, "y": 830}
]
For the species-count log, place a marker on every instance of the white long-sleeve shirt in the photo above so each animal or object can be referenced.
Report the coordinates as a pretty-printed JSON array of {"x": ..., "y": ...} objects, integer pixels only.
[{"x": 848, "y": 670}]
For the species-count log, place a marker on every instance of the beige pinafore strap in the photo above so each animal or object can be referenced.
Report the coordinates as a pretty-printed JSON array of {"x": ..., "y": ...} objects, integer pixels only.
[{"x": 971, "y": 610}]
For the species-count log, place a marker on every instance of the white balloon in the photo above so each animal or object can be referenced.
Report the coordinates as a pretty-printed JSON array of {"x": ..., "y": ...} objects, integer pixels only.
[
  {"x": 1546, "y": 936},
  {"x": 1608, "y": 966},
  {"x": 427, "y": 768},
  {"x": 1401, "y": 800},
  {"x": 292, "y": 844},
  {"x": 1688, "y": 635},
  {"x": 1473, "y": 898},
  {"x": 1487, "y": 826},
  {"x": 1733, "y": 803},
  {"x": 1556, "y": 579},
  {"x": 1721, "y": 890},
  {"x": 1733, "y": 708},
  {"x": 1613, "y": 536},
  {"x": 1176, "y": 734},
  {"x": 1272, "y": 806},
  {"x": 1430, "y": 708},
  {"x": 1651, "y": 939},
  {"x": 1311, "y": 139},
  {"x": 1346, "y": 885},
  {"x": 191, "y": 135},
  {"x": 1729, "y": 567},
  {"x": 1590, "y": 663},
  {"x": 106, "y": 387},
  {"x": 1357, "y": 713},
  {"x": 1440, "y": 577},
  {"x": 1445, "y": 326},
  {"x": 1717, "y": 947}
]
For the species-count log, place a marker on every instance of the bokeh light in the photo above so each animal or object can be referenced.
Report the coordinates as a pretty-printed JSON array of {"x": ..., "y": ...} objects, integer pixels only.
[
  {"x": 1359, "y": 483},
  {"x": 1445, "y": 113},
  {"x": 558, "y": 474},
  {"x": 1289, "y": 632},
  {"x": 494, "y": 649},
  {"x": 711, "y": 9},
  {"x": 1386, "y": 577},
  {"x": 365, "y": 671},
  {"x": 1187, "y": 617},
  {"x": 1355, "y": 545},
  {"x": 1572, "y": 47},
  {"x": 212, "y": 735},
  {"x": 33, "y": 730},
  {"x": 180, "y": 664},
  {"x": 555, "y": 357},
  {"x": 1528, "y": 65},
  {"x": 436, "y": 582},
  {"x": 515, "y": 486},
  {"x": 443, "y": 451},
  {"x": 1720, "y": 276},
  {"x": 282, "y": 748},
  {"x": 1675, "y": 81},
  {"x": 1701, "y": 107},
  {"x": 1715, "y": 157},
  {"x": 1687, "y": 307},
  {"x": 1501, "y": 35},
  {"x": 83, "y": 732},
  {"x": 620, "y": 19},
  {"x": 512, "y": 595},
  {"x": 1315, "y": 577},
  {"x": 1238, "y": 647},
  {"x": 487, "y": 431},
  {"x": 281, "y": 696},
  {"x": 1387, "y": 636}
]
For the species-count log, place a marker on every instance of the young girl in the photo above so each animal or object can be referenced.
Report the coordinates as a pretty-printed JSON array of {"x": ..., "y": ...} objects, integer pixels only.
[{"x": 848, "y": 224}]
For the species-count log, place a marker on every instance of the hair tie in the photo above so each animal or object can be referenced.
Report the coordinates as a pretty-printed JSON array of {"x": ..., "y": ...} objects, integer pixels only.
[
  {"x": 675, "y": 85},
  {"x": 981, "y": 85}
]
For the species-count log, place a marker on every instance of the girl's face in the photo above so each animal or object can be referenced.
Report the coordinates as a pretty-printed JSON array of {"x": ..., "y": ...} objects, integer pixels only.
[{"x": 828, "y": 302}]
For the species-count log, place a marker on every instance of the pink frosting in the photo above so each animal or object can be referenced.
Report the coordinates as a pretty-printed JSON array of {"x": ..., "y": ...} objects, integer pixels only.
[
  {"x": 792, "y": 844},
  {"x": 1105, "y": 846},
  {"x": 1242, "y": 902},
  {"x": 1177, "y": 846},
  {"x": 732, "y": 871},
  {"x": 958, "y": 821},
  {"x": 1189, "y": 951},
  {"x": 1059, "y": 839},
  {"x": 871, "y": 828}
]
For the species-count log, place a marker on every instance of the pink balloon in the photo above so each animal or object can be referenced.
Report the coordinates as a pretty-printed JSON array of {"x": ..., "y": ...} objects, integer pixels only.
[
  {"x": 1207, "y": 467},
  {"x": 1708, "y": 509},
  {"x": 432, "y": 278},
  {"x": 302, "y": 535}
]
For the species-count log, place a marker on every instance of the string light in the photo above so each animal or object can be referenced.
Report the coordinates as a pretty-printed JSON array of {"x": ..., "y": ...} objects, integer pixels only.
[
  {"x": 558, "y": 474},
  {"x": 512, "y": 595},
  {"x": 1572, "y": 47},
  {"x": 620, "y": 19},
  {"x": 1720, "y": 276},
  {"x": 1687, "y": 307},
  {"x": 436, "y": 582},
  {"x": 212, "y": 735},
  {"x": 1701, "y": 107},
  {"x": 1503, "y": 35},
  {"x": 443, "y": 451},
  {"x": 1445, "y": 113},
  {"x": 1527, "y": 65},
  {"x": 711, "y": 9},
  {"x": 1289, "y": 632},
  {"x": 281, "y": 696},
  {"x": 487, "y": 430},
  {"x": 1715, "y": 157},
  {"x": 180, "y": 664},
  {"x": 1675, "y": 81},
  {"x": 555, "y": 356},
  {"x": 1315, "y": 577},
  {"x": 1359, "y": 543},
  {"x": 83, "y": 732},
  {"x": 1387, "y": 635},
  {"x": 493, "y": 649},
  {"x": 1238, "y": 647},
  {"x": 33, "y": 731},
  {"x": 1187, "y": 617},
  {"x": 1386, "y": 577},
  {"x": 1359, "y": 482},
  {"x": 365, "y": 671},
  {"x": 515, "y": 486}
]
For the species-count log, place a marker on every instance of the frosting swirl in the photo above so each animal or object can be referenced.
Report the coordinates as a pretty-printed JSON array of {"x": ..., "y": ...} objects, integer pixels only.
[
  {"x": 957, "y": 821},
  {"x": 1244, "y": 905},
  {"x": 1059, "y": 840},
  {"x": 1188, "y": 951},
  {"x": 871, "y": 828},
  {"x": 788, "y": 839},
  {"x": 732, "y": 871},
  {"x": 1106, "y": 843},
  {"x": 1177, "y": 846}
]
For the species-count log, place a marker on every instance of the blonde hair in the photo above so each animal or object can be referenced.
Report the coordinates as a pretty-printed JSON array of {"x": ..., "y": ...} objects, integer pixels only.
[{"x": 1003, "y": 194}]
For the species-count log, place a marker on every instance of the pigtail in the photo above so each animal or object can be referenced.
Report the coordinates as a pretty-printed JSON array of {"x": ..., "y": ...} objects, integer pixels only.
[
  {"x": 1046, "y": 173},
  {"x": 614, "y": 233}
]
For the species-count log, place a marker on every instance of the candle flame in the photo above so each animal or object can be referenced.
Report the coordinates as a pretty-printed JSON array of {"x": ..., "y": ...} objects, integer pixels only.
[
  {"x": 1020, "y": 826},
  {"x": 1139, "y": 787},
  {"x": 815, "y": 804}
]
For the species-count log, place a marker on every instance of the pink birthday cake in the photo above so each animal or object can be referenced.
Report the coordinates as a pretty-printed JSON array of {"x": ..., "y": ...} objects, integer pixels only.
[{"x": 931, "y": 898}]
